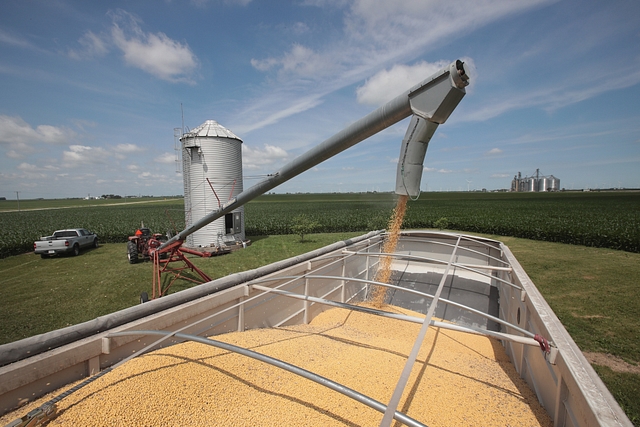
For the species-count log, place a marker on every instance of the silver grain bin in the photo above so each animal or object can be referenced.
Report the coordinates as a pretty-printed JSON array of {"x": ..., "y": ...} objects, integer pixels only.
[
  {"x": 544, "y": 184},
  {"x": 212, "y": 173}
]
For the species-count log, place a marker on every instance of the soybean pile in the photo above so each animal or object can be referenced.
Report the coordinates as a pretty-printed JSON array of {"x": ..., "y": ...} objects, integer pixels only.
[
  {"x": 599, "y": 219},
  {"x": 459, "y": 379}
]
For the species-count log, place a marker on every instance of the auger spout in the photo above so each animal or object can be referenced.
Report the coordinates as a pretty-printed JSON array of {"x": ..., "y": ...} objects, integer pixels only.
[{"x": 431, "y": 108}]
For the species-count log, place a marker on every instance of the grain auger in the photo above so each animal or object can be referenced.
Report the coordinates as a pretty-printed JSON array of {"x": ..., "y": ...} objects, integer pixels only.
[{"x": 431, "y": 102}]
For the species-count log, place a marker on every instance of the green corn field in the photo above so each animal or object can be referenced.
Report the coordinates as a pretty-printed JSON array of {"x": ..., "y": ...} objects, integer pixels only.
[{"x": 599, "y": 219}]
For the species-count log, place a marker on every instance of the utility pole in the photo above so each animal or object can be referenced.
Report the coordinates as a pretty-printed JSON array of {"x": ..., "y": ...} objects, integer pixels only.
[{"x": 18, "y": 197}]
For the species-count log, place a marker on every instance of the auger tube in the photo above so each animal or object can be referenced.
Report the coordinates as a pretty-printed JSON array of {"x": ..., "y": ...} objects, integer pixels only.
[{"x": 433, "y": 99}]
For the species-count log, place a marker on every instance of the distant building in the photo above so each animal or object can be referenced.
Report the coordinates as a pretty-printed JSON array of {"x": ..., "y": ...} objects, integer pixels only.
[{"x": 535, "y": 183}]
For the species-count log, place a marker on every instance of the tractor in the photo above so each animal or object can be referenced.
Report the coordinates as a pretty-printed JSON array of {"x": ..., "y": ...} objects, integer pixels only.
[{"x": 143, "y": 244}]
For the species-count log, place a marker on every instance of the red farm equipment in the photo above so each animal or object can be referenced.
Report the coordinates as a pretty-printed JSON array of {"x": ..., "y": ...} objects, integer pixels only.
[{"x": 145, "y": 245}]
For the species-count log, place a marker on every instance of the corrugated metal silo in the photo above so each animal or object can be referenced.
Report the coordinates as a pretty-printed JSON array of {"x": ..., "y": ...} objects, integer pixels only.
[
  {"x": 531, "y": 184},
  {"x": 212, "y": 174},
  {"x": 544, "y": 184},
  {"x": 554, "y": 183}
]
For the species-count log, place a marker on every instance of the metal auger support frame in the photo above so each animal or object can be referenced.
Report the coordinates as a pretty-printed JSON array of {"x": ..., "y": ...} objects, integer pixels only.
[{"x": 175, "y": 254}]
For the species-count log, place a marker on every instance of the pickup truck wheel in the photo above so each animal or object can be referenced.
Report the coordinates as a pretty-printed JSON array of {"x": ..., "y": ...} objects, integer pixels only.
[
  {"x": 95, "y": 242},
  {"x": 132, "y": 252},
  {"x": 76, "y": 250}
]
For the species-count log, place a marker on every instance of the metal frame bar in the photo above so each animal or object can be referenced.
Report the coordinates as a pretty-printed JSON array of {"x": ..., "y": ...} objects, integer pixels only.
[
  {"x": 404, "y": 377},
  {"x": 407, "y": 238},
  {"x": 437, "y": 261},
  {"x": 413, "y": 319},
  {"x": 400, "y": 288}
]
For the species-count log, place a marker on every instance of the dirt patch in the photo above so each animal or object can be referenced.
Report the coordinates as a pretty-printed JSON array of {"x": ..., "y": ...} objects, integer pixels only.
[{"x": 615, "y": 363}]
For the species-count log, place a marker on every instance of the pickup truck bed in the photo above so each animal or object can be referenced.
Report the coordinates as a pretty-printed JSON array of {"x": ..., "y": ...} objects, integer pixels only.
[{"x": 65, "y": 241}]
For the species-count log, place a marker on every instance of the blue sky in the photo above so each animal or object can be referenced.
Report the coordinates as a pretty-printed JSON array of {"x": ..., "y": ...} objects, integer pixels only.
[{"x": 90, "y": 92}]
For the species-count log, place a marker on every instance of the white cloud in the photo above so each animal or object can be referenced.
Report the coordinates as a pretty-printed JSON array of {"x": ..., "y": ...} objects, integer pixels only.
[
  {"x": 122, "y": 150},
  {"x": 128, "y": 148},
  {"x": 302, "y": 103},
  {"x": 299, "y": 28},
  {"x": 15, "y": 41},
  {"x": 30, "y": 171},
  {"x": 20, "y": 138},
  {"x": 387, "y": 84},
  {"x": 264, "y": 64},
  {"x": 17, "y": 153},
  {"x": 146, "y": 175},
  {"x": 157, "y": 54},
  {"x": 14, "y": 130},
  {"x": 92, "y": 45},
  {"x": 567, "y": 90},
  {"x": 204, "y": 3},
  {"x": 494, "y": 151},
  {"x": 79, "y": 155},
  {"x": 500, "y": 175},
  {"x": 257, "y": 158},
  {"x": 392, "y": 23},
  {"x": 165, "y": 158},
  {"x": 300, "y": 61},
  {"x": 375, "y": 34}
]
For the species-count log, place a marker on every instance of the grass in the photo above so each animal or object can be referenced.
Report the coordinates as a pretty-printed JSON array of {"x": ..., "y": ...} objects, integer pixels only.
[{"x": 40, "y": 295}]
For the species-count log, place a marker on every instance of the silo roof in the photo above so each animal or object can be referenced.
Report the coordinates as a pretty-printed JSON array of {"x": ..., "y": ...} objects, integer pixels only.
[{"x": 211, "y": 128}]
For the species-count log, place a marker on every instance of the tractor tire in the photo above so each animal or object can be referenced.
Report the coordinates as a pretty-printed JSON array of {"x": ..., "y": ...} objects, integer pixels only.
[{"x": 132, "y": 252}]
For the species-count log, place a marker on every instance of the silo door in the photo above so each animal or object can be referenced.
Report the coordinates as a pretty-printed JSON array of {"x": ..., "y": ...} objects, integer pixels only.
[
  {"x": 233, "y": 223},
  {"x": 228, "y": 223},
  {"x": 237, "y": 222}
]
